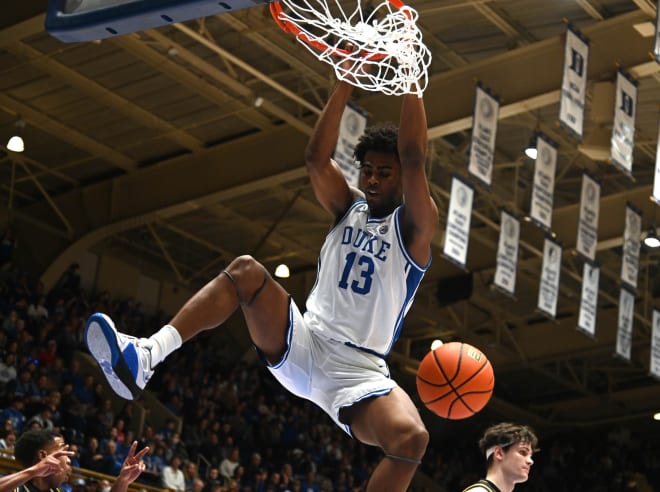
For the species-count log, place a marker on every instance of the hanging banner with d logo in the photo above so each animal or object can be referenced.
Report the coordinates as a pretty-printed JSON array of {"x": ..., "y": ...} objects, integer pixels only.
[
  {"x": 544, "y": 183},
  {"x": 589, "y": 299},
  {"x": 631, "y": 245},
  {"x": 351, "y": 127},
  {"x": 587, "y": 235},
  {"x": 656, "y": 176},
  {"x": 484, "y": 130},
  {"x": 655, "y": 345},
  {"x": 457, "y": 233},
  {"x": 624, "y": 329},
  {"x": 623, "y": 130},
  {"x": 574, "y": 82},
  {"x": 549, "y": 288},
  {"x": 507, "y": 253}
]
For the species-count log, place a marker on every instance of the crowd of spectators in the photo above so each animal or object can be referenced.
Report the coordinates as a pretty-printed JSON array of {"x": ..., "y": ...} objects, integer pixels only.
[{"x": 241, "y": 431}]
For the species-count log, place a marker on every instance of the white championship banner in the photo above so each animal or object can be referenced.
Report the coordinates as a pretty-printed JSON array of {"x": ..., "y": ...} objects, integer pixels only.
[
  {"x": 589, "y": 299},
  {"x": 631, "y": 246},
  {"x": 623, "y": 129},
  {"x": 550, "y": 272},
  {"x": 587, "y": 234},
  {"x": 656, "y": 43},
  {"x": 484, "y": 131},
  {"x": 574, "y": 82},
  {"x": 625, "y": 323},
  {"x": 656, "y": 176},
  {"x": 544, "y": 183},
  {"x": 351, "y": 128},
  {"x": 507, "y": 253},
  {"x": 457, "y": 232},
  {"x": 654, "y": 365}
]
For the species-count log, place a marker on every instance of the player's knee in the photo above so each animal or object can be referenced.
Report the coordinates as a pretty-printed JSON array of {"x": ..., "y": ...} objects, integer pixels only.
[
  {"x": 247, "y": 272},
  {"x": 411, "y": 443},
  {"x": 248, "y": 275}
]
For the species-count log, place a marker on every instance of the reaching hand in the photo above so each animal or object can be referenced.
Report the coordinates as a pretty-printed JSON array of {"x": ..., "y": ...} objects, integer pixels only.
[
  {"x": 133, "y": 464},
  {"x": 51, "y": 464}
]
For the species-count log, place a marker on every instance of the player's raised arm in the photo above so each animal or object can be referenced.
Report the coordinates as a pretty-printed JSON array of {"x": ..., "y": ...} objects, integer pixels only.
[
  {"x": 330, "y": 186},
  {"x": 420, "y": 213}
]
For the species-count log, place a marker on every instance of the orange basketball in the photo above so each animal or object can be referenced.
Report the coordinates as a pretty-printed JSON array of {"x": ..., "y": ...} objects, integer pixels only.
[{"x": 455, "y": 380}]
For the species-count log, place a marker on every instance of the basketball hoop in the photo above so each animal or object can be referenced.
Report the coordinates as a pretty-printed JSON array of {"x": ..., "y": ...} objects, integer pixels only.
[{"x": 387, "y": 55}]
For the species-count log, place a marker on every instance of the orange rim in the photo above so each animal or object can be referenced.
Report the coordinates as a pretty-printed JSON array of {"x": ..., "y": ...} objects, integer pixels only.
[{"x": 276, "y": 11}]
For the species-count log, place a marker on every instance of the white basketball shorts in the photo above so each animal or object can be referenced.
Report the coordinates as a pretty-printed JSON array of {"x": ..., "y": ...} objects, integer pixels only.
[{"x": 331, "y": 374}]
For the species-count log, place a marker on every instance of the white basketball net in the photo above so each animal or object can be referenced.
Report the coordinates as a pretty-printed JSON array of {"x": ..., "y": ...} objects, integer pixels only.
[{"x": 388, "y": 54}]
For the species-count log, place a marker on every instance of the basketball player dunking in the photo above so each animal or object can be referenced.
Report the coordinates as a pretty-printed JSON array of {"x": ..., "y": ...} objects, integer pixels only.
[{"x": 370, "y": 266}]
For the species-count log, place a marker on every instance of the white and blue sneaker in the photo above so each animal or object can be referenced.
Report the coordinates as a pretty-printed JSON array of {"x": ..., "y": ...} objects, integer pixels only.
[{"x": 124, "y": 360}]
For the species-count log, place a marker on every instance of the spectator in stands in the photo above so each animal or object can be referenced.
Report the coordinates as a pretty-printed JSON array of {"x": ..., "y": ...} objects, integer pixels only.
[
  {"x": 91, "y": 456},
  {"x": 230, "y": 463},
  {"x": 190, "y": 474},
  {"x": 37, "y": 310},
  {"x": 172, "y": 476},
  {"x": 197, "y": 485},
  {"x": 75, "y": 457},
  {"x": 176, "y": 447},
  {"x": 311, "y": 483},
  {"x": 42, "y": 419},
  {"x": 153, "y": 468},
  {"x": 7, "y": 443},
  {"x": 214, "y": 480},
  {"x": 14, "y": 413},
  {"x": 8, "y": 372},
  {"x": 26, "y": 388},
  {"x": 111, "y": 463}
]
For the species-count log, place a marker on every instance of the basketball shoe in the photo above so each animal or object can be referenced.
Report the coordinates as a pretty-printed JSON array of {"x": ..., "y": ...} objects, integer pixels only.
[{"x": 124, "y": 360}]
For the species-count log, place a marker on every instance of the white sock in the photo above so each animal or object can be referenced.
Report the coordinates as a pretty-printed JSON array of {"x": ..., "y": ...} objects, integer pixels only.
[{"x": 165, "y": 341}]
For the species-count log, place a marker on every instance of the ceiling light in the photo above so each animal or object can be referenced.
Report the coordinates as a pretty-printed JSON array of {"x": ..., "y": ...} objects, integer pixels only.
[
  {"x": 651, "y": 240},
  {"x": 15, "y": 143},
  {"x": 531, "y": 152},
  {"x": 656, "y": 416},
  {"x": 282, "y": 271}
]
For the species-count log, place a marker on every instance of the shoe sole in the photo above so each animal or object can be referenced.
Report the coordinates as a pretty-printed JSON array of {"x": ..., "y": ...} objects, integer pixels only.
[{"x": 101, "y": 340}]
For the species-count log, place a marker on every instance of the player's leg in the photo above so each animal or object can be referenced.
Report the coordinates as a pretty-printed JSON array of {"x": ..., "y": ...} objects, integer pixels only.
[
  {"x": 245, "y": 283},
  {"x": 392, "y": 423},
  {"x": 128, "y": 363}
]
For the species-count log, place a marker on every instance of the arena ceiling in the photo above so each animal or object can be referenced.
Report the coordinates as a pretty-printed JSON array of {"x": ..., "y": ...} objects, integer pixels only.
[{"x": 150, "y": 147}]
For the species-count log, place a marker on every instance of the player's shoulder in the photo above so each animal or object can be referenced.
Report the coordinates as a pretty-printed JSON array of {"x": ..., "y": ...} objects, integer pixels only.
[{"x": 478, "y": 487}]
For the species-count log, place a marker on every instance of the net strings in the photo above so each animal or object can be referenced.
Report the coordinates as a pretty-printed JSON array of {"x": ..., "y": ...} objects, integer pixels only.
[{"x": 388, "y": 54}]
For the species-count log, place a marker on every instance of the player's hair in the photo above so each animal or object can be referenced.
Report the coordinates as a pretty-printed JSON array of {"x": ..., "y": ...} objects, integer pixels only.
[
  {"x": 506, "y": 434},
  {"x": 381, "y": 137},
  {"x": 28, "y": 445}
]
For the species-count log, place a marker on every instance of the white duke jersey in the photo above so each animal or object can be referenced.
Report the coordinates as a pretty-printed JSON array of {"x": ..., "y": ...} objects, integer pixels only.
[{"x": 365, "y": 282}]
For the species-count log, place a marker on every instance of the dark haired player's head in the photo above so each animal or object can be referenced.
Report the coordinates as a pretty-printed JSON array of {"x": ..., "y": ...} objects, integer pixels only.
[
  {"x": 31, "y": 442},
  {"x": 381, "y": 137},
  {"x": 505, "y": 435},
  {"x": 34, "y": 445},
  {"x": 377, "y": 155}
]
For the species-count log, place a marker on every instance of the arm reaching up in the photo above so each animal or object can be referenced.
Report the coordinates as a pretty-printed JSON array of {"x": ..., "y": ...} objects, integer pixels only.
[
  {"x": 131, "y": 469},
  {"x": 330, "y": 186},
  {"x": 420, "y": 213}
]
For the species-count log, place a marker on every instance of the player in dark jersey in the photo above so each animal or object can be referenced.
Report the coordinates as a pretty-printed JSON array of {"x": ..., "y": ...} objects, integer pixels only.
[
  {"x": 508, "y": 449},
  {"x": 45, "y": 456}
]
